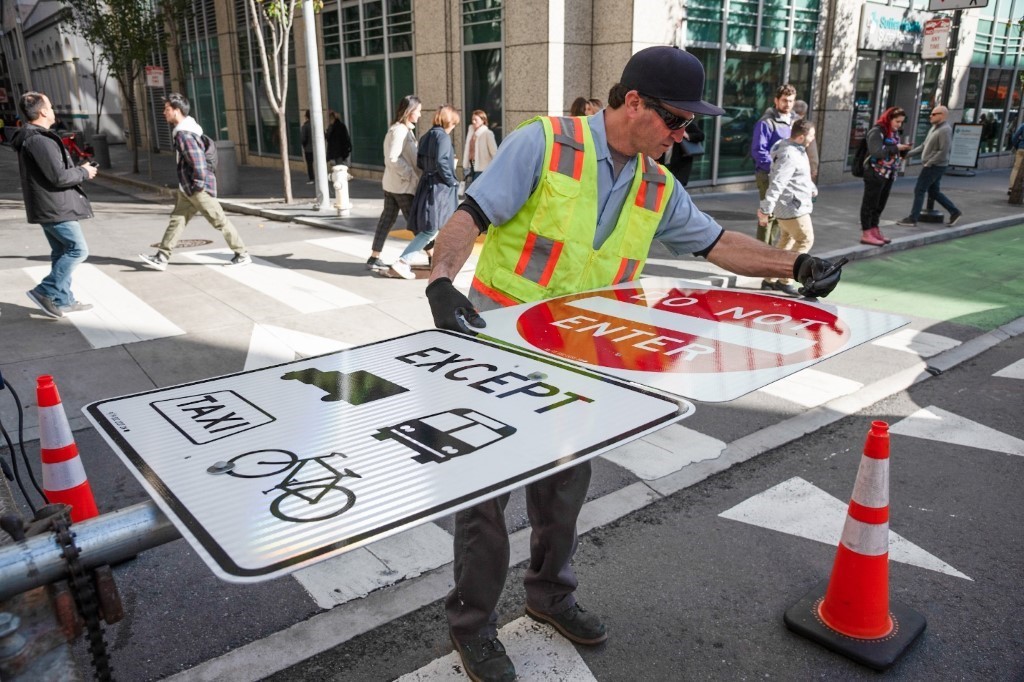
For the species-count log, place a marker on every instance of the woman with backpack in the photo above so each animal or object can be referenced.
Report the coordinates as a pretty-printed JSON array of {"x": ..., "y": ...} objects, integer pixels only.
[{"x": 880, "y": 165}]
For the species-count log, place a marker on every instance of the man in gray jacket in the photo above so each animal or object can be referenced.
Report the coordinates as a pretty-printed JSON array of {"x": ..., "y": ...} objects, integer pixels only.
[
  {"x": 935, "y": 156},
  {"x": 51, "y": 187}
]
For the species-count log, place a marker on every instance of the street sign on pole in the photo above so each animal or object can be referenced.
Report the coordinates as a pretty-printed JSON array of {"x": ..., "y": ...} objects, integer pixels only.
[
  {"x": 154, "y": 76},
  {"x": 936, "y": 38},
  {"x": 687, "y": 338},
  {"x": 267, "y": 471}
]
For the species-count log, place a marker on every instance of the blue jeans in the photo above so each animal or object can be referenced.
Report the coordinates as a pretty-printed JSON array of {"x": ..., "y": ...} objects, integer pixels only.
[
  {"x": 67, "y": 250},
  {"x": 417, "y": 243},
  {"x": 929, "y": 181}
]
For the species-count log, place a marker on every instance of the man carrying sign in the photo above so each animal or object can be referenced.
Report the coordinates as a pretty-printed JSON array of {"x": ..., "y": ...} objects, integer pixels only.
[{"x": 571, "y": 205}]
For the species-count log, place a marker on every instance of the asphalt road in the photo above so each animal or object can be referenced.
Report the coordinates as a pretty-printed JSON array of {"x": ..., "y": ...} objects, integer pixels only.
[{"x": 689, "y": 594}]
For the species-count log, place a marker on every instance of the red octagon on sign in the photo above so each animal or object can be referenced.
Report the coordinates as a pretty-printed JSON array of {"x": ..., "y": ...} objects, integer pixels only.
[{"x": 682, "y": 330}]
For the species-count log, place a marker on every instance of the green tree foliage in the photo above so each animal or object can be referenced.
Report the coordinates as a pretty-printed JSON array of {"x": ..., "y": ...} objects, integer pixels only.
[
  {"x": 126, "y": 33},
  {"x": 273, "y": 19}
]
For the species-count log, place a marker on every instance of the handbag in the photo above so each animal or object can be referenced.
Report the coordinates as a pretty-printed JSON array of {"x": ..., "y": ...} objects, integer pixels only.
[{"x": 692, "y": 148}]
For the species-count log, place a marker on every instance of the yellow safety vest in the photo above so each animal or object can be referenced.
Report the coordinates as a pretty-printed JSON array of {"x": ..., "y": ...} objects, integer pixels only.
[{"x": 547, "y": 248}]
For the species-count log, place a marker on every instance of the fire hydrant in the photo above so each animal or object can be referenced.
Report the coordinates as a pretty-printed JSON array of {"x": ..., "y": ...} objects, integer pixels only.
[{"x": 340, "y": 178}]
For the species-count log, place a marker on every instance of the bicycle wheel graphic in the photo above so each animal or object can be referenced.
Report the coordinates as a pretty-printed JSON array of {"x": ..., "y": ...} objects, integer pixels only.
[
  {"x": 312, "y": 503},
  {"x": 260, "y": 463}
]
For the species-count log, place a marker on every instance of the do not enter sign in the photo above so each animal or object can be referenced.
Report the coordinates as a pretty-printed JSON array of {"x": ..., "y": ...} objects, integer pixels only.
[{"x": 703, "y": 343}]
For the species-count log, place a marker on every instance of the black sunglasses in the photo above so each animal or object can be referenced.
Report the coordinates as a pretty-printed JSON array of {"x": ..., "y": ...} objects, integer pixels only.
[{"x": 672, "y": 121}]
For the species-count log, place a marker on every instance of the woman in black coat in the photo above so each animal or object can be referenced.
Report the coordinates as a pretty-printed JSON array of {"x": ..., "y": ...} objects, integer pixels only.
[
  {"x": 437, "y": 193},
  {"x": 339, "y": 144},
  {"x": 681, "y": 162}
]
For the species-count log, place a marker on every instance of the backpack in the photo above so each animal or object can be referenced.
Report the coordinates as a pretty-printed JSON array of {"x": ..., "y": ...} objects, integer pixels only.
[
  {"x": 210, "y": 149},
  {"x": 860, "y": 157}
]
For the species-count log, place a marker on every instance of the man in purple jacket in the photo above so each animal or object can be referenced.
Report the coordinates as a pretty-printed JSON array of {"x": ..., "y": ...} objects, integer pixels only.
[
  {"x": 773, "y": 126},
  {"x": 51, "y": 187}
]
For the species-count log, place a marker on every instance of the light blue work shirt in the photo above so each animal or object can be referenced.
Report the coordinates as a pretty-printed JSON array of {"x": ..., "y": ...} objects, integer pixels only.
[{"x": 502, "y": 190}]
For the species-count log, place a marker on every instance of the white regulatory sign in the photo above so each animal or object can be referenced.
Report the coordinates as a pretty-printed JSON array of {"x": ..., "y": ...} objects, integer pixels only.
[
  {"x": 270, "y": 470},
  {"x": 687, "y": 338}
]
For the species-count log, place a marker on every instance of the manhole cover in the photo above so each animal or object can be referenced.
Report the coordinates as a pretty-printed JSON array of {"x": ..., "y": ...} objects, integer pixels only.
[{"x": 186, "y": 243}]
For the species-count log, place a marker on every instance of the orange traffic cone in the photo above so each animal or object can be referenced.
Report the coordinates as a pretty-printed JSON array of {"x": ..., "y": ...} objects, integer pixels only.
[
  {"x": 64, "y": 479},
  {"x": 850, "y": 613}
]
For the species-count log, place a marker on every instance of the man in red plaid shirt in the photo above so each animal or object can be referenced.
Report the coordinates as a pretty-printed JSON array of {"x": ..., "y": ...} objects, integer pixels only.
[{"x": 197, "y": 188}]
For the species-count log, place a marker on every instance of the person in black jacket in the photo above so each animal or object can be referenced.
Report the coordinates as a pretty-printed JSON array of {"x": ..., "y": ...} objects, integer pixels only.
[
  {"x": 339, "y": 144},
  {"x": 51, "y": 186},
  {"x": 681, "y": 162}
]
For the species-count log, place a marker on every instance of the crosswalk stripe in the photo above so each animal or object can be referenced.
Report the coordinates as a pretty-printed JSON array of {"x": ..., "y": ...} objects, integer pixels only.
[
  {"x": 933, "y": 423},
  {"x": 811, "y": 387},
  {"x": 355, "y": 574},
  {"x": 271, "y": 345},
  {"x": 359, "y": 245},
  {"x": 118, "y": 316},
  {"x": 297, "y": 291},
  {"x": 537, "y": 651},
  {"x": 658, "y": 454},
  {"x": 922, "y": 344}
]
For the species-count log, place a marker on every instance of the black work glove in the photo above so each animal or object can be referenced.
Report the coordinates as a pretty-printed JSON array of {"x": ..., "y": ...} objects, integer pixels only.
[
  {"x": 818, "y": 276},
  {"x": 451, "y": 309}
]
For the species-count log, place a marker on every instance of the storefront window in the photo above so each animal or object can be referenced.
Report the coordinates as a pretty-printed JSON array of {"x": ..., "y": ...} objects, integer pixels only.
[
  {"x": 704, "y": 21},
  {"x": 929, "y": 90},
  {"x": 863, "y": 102},
  {"x": 750, "y": 83},
  {"x": 702, "y": 164},
  {"x": 997, "y": 90}
]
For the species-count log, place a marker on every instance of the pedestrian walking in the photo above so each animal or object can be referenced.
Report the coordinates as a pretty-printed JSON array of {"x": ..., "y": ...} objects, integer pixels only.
[
  {"x": 400, "y": 174},
  {"x": 934, "y": 152},
  {"x": 770, "y": 128},
  {"x": 339, "y": 143},
  {"x": 437, "y": 193},
  {"x": 884, "y": 151},
  {"x": 306, "y": 137},
  {"x": 197, "y": 187},
  {"x": 790, "y": 198},
  {"x": 480, "y": 147},
  {"x": 800, "y": 110},
  {"x": 611, "y": 201},
  {"x": 1016, "y": 143},
  {"x": 51, "y": 186}
]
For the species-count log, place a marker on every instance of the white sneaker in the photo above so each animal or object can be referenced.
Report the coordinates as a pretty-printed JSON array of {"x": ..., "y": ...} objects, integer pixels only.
[
  {"x": 239, "y": 260},
  {"x": 157, "y": 262},
  {"x": 402, "y": 269}
]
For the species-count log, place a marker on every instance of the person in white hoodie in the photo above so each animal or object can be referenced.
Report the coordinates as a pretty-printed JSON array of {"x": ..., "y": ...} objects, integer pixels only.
[
  {"x": 197, "y": 187},
  {"x": 480, "y": 147},
  {"x": 400, "y": 174},
  {"x": 789, "y": 198}
]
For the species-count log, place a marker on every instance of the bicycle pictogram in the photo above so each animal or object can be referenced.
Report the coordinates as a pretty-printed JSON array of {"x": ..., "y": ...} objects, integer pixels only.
[{"x": 313, "y": 496}]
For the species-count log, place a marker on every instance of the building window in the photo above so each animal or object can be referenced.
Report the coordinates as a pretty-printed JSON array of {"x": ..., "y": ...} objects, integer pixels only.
[
  {"x": 368, "y": 60},
  {"x": 482, "y": 61}
]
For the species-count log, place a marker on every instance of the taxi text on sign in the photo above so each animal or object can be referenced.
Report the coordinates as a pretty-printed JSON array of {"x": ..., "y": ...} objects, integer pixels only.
[
  {"x": 270, "y": 470},
  {"x": 686, "y": 338}
]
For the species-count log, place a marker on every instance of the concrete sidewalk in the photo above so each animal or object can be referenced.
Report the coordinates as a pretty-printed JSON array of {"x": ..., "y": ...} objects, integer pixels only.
[{"x": 982, "y": 198}]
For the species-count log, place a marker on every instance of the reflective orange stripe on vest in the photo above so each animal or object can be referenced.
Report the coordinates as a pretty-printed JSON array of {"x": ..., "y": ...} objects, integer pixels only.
[
  {"x": 496, "y": 296},
  {"x": 538, "y": 259},
  {"x": 652, "y": 189},
  {"x": 627, "y": 271},
  {"x": 567, "y": 153}
]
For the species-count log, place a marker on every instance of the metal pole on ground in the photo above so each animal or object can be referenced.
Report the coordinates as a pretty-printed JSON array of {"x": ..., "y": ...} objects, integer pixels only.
[{"x": 316, "y": 113}]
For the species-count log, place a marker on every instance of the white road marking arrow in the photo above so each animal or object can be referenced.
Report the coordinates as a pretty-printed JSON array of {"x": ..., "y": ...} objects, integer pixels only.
[
  {"x": 933, "y": 423},
  {"x": 802, "y": 509},
  {"x": 1014, "y": 371},
  {"x": 537, "y": 651}
]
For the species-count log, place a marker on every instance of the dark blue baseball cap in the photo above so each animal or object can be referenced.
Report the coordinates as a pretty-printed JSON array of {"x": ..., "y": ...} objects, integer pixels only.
[{"x": 671, "y": 75}]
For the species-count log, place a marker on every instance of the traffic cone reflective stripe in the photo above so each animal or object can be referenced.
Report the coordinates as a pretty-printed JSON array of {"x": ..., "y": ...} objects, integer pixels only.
[
  {"x": 64, "y": 478},
  {"x": 857, "y": 600},
  {"x": 851, "y": 613}
]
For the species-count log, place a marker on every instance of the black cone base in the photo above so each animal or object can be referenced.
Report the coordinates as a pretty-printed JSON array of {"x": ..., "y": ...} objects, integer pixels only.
[{"x": 878, "y": 654}]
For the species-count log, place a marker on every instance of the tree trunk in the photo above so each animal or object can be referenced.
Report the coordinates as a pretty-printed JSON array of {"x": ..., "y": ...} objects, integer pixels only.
[
  {"x": 282, "y": 128},
  {"x": 129, "y": 91}
]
